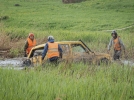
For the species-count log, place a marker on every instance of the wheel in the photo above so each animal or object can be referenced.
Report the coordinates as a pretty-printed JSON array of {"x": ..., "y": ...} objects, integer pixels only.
[
  {"x": 103, "y": 61},
  {"x": 27, "y": 62}
]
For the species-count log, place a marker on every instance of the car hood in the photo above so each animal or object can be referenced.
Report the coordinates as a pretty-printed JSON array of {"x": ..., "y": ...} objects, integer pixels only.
[{"x": 103, "y": 55}]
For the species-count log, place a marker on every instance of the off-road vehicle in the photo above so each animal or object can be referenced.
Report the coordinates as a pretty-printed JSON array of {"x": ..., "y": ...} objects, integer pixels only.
[{"x": 73, "y": 51}]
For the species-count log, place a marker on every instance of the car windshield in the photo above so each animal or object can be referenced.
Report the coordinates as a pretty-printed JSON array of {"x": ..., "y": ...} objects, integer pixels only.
[{"x": 36, "y": 52}]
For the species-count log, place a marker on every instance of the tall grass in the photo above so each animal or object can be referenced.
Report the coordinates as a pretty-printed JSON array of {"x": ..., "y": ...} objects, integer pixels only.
[
  {"x": 96, "y": 41},
  {"x": 79, "y": 82}
]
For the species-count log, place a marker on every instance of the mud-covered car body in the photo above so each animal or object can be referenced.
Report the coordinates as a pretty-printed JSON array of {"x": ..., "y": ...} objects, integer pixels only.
[{"x": 73, "y": 51}]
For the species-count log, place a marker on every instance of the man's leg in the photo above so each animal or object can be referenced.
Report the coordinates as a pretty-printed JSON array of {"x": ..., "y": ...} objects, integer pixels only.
[
  {"x": 54, "y": 61},
  {"x": 116, "y": 54}
]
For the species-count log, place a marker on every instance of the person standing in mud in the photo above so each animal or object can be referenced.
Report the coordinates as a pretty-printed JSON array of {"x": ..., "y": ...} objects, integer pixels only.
[
  {"x": 31, "y": 42},
  {"x": 53, "y": 51},
  {"x": 117, "y": 45}
]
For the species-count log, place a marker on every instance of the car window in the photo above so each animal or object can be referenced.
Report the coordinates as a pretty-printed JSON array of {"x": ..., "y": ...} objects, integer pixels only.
[
  {"x": 65, "y": 49},
  {"x": 36, "y": 52},
  {"x": 77, "y": 48}
]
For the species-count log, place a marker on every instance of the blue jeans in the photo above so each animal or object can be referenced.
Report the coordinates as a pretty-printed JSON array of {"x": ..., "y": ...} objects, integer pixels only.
[{"x": 54, "y": 60}]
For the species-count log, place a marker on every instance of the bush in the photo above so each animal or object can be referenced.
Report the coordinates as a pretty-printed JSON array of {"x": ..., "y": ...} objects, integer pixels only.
[
  {"x": 71, "y": 1},
  {"x": 4, "y": 18}
]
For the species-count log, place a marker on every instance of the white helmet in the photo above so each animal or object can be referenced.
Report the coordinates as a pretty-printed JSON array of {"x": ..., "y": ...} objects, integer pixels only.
[{"x": 50, "y": 37}]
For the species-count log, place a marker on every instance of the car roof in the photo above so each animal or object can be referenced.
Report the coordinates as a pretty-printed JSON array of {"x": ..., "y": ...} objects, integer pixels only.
[{"x": 60, "y": 42}]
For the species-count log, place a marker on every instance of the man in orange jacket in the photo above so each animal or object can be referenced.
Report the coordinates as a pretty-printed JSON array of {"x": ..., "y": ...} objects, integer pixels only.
[
  {"x": 31, "y": 42},
  {"x": 53, "y": 50},
  {"x": 117, "y": 45}
]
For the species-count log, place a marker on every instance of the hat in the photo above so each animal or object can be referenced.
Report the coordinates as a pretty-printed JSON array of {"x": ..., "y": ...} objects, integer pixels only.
[
  {"x": 114, "y": 32},
  {"x": 50, "y": 37},
  {"x": 31, "y": 34}
]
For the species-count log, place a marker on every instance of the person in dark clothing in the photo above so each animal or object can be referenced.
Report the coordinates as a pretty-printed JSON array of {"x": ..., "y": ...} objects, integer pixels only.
[
  {"x": 117, "y": 45},
  {"x": 53, "y": 50},
  {"x": 31, "y": 42}
]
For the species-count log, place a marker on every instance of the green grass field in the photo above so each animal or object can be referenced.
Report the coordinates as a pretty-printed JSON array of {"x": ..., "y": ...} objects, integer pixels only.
[
  {"x": 45, "y": 17},
  {"x": 88, "y": 21},
  {"x": 79, "y": 82}
]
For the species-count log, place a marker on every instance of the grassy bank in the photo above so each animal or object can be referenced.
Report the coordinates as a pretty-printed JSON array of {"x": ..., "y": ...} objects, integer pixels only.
[
  {"x": 79, "y": 82},
  {"x": 43, "y": 16},
  {"x": 96, "y": 41}
]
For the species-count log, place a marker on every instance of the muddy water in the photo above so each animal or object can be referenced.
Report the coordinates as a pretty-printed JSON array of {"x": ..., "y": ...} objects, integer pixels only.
[
  {"x": 128, "y": 62},
  {"x": 16, "y": 63},
  {"x": 10, "y": 62}
]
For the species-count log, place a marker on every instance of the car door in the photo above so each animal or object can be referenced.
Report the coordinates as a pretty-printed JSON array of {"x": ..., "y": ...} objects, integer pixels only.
[
  {"x": 79, "y": 53},
  {"x": 36, "y": 58},
  {"x": 66, "y": 51}
]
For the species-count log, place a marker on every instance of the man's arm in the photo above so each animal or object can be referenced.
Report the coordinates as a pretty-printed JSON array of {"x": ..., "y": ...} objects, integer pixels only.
[
  {"x": 60, "y": 50},
  {"x": 25, "y": 48},
  {"x": 110, "y": 44},
  {"x": 44, "y": 51},
  {"x": 122, "y": 44}
]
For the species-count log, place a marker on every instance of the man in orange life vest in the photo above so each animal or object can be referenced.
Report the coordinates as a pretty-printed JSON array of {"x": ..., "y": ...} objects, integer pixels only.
[
  {"x": 53, "y": 50},
  {"x": 117, "y": 45},
  {"x": 31, "y": 42}
]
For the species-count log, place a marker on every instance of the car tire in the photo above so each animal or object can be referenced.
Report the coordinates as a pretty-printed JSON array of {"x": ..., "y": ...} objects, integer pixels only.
[
  {"x": 103, "y": 61},
  {"x": 27, "y": 62}
]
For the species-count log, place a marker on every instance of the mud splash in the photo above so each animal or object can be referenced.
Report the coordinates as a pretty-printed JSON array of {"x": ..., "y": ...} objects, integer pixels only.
[
  {"x": 15, "y": 63},
  {"x": 10, "y": 62},
  {"x": 128, "y": 62}
]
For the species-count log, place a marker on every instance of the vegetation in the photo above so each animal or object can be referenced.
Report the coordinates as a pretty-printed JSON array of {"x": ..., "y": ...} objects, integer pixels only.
[
  {"x": 90, "y": 21},
  {"x": 86, "y": 20},
  {"x": 79, "y": 82},
  {"x": 53, "y": 17}
]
